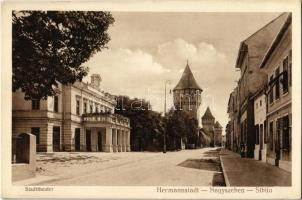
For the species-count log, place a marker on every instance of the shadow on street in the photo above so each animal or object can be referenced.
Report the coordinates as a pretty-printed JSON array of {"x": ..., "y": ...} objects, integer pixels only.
[{"x": 209, "y": 162}]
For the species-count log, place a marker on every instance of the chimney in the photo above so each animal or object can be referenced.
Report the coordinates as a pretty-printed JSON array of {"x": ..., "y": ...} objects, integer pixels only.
[{"x": 96, "y": 80}]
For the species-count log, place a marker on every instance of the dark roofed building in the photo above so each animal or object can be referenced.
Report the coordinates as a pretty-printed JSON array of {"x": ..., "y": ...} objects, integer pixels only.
[
  {"x": 217, "y": 125},
  {"x": 187, "y": 81},
  {"x": 187, "y": 93},
  {"x": 211, "y": 128},
  {"x": 208, "y": 114}
]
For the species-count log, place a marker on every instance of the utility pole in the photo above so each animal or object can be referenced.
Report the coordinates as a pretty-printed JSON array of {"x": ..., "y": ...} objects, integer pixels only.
[{"x": 165, "y": 110}]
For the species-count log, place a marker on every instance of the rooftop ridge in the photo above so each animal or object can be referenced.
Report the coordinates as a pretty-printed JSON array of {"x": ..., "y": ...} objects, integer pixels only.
[
  {"x": 187, "y": 80},
  {"x": 208, "y": 114}
]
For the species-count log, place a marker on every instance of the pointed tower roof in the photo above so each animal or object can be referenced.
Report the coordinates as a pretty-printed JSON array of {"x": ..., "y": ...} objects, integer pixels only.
[
  {"x": 187, "y": 80},
  {"x": 217, "y": 125},
  {"x": 208, "y": 114}
]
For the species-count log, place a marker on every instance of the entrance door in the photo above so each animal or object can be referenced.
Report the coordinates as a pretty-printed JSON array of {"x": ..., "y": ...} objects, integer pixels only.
[
  {"x": 277, "y": 144},
  {"x": 77, "y": 139},
  {"x": 99, "y": 141},
  {"x": 261, "y": 141},
  {"x": 56, "y": 138},
  {"x": 88, "y": 140}
]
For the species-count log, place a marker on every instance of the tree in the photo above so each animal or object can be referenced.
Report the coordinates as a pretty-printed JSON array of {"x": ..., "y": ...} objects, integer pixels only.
[
  {"x": 146, "y": 125},
  {"x": 51, "y": 46},
  {"x": 180, "y": 126}
]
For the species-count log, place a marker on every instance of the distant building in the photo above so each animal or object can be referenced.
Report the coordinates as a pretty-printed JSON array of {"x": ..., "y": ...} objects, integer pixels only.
[
  {"x": 228, "y": 137},
  {"x": 277, "y": 64},
  {"x": 187, "y": 93},
  {"x": 79, "y": 118},
  {"x": 211, "y": 129},
  {"x": 217, "y": 134},
  {"x": 233, "y": 134},
  {"x": 223, "y": 141}
]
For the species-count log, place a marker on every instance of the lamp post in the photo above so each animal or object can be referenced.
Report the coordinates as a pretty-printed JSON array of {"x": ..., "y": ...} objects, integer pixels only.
[{"x": 165, "y": 108}]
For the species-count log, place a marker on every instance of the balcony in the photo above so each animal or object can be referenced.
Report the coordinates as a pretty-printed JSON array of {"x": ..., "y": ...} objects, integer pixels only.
[{"x": 106, "y": 118}]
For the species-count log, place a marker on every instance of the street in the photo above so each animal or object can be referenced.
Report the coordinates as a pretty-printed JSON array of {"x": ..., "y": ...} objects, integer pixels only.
[{"x": 183, "y": 168}]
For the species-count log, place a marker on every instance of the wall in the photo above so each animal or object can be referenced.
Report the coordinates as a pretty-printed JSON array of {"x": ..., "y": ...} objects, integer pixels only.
[
  {"x": 260, "y": 110},
  {"x": 282, "y": 106}
]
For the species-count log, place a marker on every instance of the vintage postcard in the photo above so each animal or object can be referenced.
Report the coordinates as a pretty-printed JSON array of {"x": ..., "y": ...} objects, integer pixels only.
[{"x": 151, "y": 99}]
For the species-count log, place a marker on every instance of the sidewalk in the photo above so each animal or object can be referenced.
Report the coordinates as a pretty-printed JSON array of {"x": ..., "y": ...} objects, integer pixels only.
[{"x": 248, "y": 172}]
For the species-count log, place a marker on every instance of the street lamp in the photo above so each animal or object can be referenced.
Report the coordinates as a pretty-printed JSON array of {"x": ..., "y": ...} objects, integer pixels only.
[{"x": 165, "y": 108}]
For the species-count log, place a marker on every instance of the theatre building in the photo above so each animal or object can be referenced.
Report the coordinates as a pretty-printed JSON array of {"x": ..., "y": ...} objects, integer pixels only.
[
  {"x": 277, "y": 63},
  {"x": 79, "y": 118}
]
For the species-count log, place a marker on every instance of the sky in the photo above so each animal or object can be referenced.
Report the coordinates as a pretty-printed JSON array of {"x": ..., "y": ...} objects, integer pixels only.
[{"x": 148, "y": 48}]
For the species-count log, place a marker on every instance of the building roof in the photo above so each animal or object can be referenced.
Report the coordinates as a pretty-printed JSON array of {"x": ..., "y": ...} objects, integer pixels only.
[
  {"x": 217, "y": 125},
  {"x": 208, "y": 114},
  {"x": 258, "y": 43},
  {"x": 276, "y": 40},
  {"x": 187, "y": 80}
]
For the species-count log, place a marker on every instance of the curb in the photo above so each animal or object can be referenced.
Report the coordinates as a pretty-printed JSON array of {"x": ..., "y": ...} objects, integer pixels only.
[{"x": 227, "y": 182}]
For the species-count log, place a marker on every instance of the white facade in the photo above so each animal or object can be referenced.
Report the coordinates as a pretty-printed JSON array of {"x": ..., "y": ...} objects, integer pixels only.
[
  {"x": 260, "y": 121},
  {"x": 80, "y": 118}
]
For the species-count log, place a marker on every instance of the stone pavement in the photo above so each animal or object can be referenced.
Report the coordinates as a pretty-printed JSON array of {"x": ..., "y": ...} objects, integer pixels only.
[{"x": 249, "y": 172}]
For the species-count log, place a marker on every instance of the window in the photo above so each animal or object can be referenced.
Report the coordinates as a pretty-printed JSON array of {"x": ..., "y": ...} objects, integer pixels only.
[
  {"x": 96, "y": 108},
  {"x": 285, "y": 75},
  {"x": 85, "y": 108},
  {"x": 271, "y": 135},
  {"x": 36, "y": 131},
  {"x": 91, "y": 108},
  {"x": 256, "y": 105},
  {"x": 277, "y": 88},
  {"x": 271, "y": 93},
  {"x": 260, "y": 103},
  {"x": 78, "y": 106},
  {"x": 56, "y": 104},
  {"x": 35, "y": 104}
]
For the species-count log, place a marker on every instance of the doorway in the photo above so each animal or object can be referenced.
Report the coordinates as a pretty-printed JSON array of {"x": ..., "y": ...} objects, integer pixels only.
[
  {"x": 77, "y": 139},
  {"x": 56, "y": 138},
  {"x": 277, "y": 143},
  {"x": 88, "y": 140},
  {"x": 261, "y": 142},
  {"x": 100, "y": 141}
]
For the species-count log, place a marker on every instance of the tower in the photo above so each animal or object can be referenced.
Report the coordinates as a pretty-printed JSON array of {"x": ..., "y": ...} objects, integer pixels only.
[
  {"x": 187, "y": 93},
  {"x": 208, "y": 120},
  {"x": 217, "y": 134}
]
